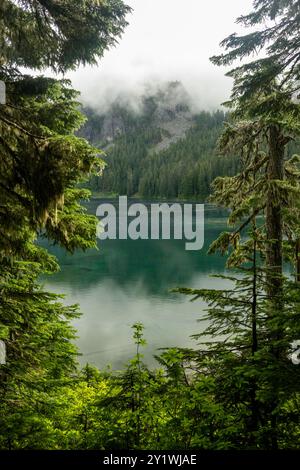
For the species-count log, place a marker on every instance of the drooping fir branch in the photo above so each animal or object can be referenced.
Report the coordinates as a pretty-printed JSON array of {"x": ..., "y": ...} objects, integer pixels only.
[{"x": 276, "y": 25}]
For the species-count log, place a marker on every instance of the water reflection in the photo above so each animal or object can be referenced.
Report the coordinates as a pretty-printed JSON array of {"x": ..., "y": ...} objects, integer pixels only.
[{"x": 128, "y": 281}]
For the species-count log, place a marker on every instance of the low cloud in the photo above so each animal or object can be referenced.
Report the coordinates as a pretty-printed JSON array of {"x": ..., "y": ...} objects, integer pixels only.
[{"x": 166, "y": 40}]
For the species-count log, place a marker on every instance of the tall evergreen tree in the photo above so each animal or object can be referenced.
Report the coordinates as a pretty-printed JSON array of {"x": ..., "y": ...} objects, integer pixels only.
[
  {"x": 265, "y": 117},
  {"x": 42, "y": 163},
  {"x": 60, "y": 35},
  {"x": 275, "y": 26}
]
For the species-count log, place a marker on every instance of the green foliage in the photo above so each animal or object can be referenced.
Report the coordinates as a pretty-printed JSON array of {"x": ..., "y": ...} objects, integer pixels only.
[
  {"x": 133, "y": 409},
  {"x": 274, "y": 28},
  {"x": 41, "y": 161},
  {"x": 40, "y": 353},
  {"x": 42, "y": 164},
  {"x": 252, "y": 324},
  {"x": 61, "y": 35}
]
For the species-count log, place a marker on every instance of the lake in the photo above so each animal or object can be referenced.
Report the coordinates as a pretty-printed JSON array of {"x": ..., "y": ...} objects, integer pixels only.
[{"x": 127, "y": 281}]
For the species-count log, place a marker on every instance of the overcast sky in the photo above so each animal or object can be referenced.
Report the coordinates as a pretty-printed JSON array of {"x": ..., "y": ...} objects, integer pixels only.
[{"x": 166, "y": 40}]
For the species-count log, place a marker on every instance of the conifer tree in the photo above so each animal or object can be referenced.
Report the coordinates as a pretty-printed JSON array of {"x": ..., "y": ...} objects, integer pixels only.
[
  {"x": 265, "y": 89},
  {"x": 42, "y": 163},
  {"x": 275, "y": 26},
  {"x": 245, "y": 354},
  {"x": 264, "y": 119}
]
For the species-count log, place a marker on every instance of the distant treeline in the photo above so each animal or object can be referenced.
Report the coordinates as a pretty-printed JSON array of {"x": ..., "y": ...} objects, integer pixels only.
[{"x": 185, "y": 169}]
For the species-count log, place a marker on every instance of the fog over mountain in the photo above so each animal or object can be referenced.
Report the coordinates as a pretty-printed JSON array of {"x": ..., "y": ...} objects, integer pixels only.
[{"x": 166, "y": 40}]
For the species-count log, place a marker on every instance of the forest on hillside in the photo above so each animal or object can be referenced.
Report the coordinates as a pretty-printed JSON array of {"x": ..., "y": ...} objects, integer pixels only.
[
  {"x": 135, "y": 166},
  {"x": 140, "y": 163},
  {"x": 239, "y": 387}
]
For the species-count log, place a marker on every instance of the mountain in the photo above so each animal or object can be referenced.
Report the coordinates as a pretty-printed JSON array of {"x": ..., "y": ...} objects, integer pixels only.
[{"x": 158, "y": 146}]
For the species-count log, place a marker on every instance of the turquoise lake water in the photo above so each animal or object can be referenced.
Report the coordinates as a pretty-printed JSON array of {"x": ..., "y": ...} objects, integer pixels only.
[{"x": 127, "y": 281}]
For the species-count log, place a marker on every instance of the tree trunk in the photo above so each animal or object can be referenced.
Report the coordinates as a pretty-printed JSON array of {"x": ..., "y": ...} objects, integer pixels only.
[
  {"x": 274, "y": 216},
  {"x": 274, "y": 260},
  {"x": 297, "y": 260},
  {"x": 254, "y": 297},
  {"x": 254, "y": 405}
]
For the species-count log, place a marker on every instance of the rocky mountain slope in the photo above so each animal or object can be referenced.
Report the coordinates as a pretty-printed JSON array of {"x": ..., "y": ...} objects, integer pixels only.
[
  {"x": 168, "y": 109},
  {"x": 156, "y": 146}
]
